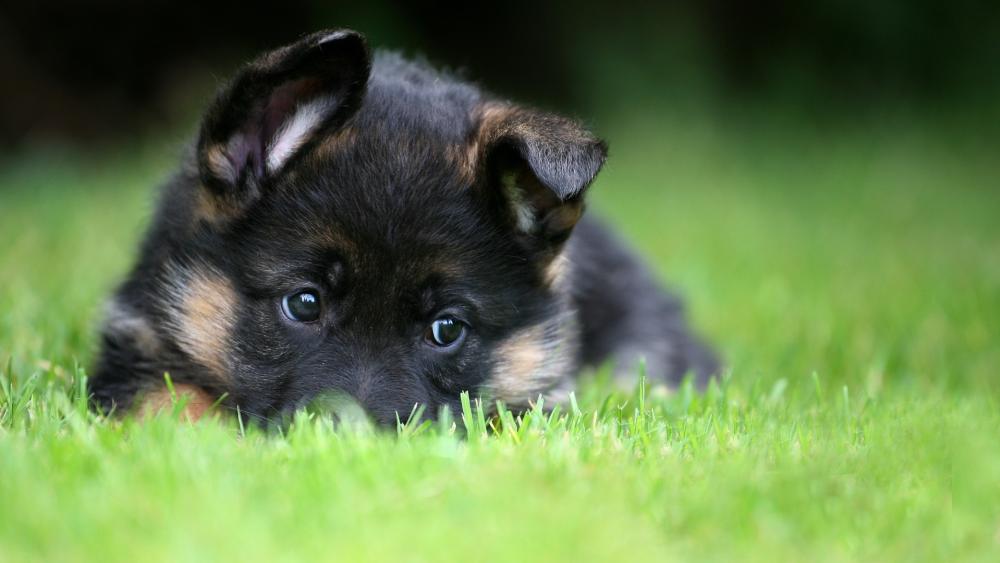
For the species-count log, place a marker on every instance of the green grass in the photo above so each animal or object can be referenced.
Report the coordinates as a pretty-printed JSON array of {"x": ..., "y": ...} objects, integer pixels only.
[{"x": 849, "y": 274}]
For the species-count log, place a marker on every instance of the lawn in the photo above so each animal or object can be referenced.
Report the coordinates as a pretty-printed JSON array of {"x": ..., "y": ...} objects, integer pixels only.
[{"x": 849, "y": 272}]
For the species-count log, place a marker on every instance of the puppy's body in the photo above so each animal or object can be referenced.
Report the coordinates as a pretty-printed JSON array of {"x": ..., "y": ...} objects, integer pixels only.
[{"x": 384, "y": 231}]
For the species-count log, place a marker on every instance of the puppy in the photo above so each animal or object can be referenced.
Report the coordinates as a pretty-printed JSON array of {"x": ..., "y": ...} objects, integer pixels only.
[{"x": 373, "y": 227}]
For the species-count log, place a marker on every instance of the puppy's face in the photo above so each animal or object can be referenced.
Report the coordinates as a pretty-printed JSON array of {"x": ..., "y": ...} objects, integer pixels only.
[{"x": 391, "y": 235}]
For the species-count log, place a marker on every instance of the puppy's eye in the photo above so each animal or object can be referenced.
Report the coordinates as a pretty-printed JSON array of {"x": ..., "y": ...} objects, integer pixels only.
[
  {"x": 303, "y": 306},
  {"x": 445, "y": 332}
]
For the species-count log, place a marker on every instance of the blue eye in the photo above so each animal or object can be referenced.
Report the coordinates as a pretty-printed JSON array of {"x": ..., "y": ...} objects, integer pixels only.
[
  {"x": 445, "y": 332},
  {"x": 303, "y": 307}
]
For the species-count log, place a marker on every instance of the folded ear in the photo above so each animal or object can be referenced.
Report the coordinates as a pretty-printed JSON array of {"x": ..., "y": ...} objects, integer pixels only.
[
  {"x": 535, "y": 168},
  {"x": 276, "y": 106}
]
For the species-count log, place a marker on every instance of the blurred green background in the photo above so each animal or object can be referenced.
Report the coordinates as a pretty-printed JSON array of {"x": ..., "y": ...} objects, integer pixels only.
[{"x": 106, "y": 69}]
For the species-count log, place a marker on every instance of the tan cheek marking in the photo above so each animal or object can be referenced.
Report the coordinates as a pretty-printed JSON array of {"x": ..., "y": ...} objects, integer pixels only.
[
  {"x": 522, "y": 355},
  {"x": 197, "y": 404},
  {"x": 537, "y": 360},
  {"x": 202, "y": 317},
  {"x": 208, "y": 322},
  {"x": 525, "y": 367}
]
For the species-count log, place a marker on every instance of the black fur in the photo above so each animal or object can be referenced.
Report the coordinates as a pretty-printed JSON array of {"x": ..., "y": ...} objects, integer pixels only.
[{"x": 417, "y": 196}]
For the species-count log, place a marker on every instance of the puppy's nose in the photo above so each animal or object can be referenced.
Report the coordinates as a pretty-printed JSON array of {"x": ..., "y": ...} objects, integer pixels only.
[{"x": 386, "y": 397}]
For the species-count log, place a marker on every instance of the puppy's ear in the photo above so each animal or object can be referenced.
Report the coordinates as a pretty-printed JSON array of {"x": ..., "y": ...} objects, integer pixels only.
[
  {"x": 275, "y": 107},
  {"x": 535, "y": 168}
]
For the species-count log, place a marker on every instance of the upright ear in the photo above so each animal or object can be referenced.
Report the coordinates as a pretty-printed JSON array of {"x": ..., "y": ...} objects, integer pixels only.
[
  {"x": 275, "y": 107},
  {"x": 535, "y": 168}
]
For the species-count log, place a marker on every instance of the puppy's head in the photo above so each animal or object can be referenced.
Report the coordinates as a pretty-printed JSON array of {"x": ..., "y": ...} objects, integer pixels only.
[{"x": 379, "y": 230}]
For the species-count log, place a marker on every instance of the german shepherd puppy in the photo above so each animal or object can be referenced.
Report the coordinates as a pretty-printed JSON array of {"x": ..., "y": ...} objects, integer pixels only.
[{"x": 380, "y": 229}]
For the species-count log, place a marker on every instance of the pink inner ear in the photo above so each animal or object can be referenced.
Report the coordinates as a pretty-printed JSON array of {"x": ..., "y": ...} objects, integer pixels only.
[
  {"x": 283, "y": 101},
  {"x": 248, "y": 148}
]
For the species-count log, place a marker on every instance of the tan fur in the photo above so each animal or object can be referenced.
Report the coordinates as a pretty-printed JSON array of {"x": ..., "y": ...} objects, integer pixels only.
[
  {"x": 523, "y": 354},
  {"x": 535, "y": 361},
  {"x": 564, "y": 217},
  {"x": 212, "y": 209},
  {"x": 219, "y": 163},
  {"x": 329, "y": 237},
  {"x": 338, "y": 140},
  {"x": 463, "y": 160},
  {"x": 204, "y": 208},
  {"x": 202, "y": 316},
  {"x": 217, "y": 209},
  {"x": 556, "y": 271},
  {"x": 492, "y": 119},
  {"x": 197, "y": 404}
]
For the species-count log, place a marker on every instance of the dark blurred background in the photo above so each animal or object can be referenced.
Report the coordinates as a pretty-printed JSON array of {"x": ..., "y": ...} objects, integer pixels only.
[{"x": 104, "y": 70}]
